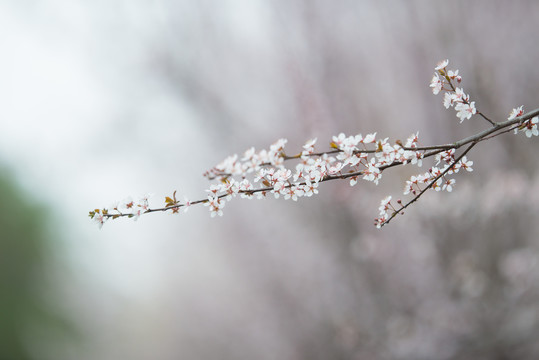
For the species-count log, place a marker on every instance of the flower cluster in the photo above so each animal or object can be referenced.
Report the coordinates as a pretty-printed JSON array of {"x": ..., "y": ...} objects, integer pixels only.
[
  {"x": 128, "y": 207},
  {"x": 386, "y": 210},
  {"x": 257, "y": 174},
  {"x": 435, "y": 178},
  {"x": 355, "y": 157},
  {"x": 529, "y": 127},
  {"x": 250, "y": 161},
  {"x": 454, "y": 96}
]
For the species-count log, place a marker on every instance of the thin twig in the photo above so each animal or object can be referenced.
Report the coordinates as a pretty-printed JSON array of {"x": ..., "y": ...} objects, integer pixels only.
[{"x": 430, "y": 184}]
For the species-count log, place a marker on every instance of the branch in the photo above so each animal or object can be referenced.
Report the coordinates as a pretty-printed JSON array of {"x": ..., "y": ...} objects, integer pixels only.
[
  {"x": 430, "y": 184},
  {"x": 351, "y": 158}
]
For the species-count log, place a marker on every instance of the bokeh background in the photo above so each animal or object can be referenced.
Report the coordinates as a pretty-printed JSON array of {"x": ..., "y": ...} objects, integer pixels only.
[{"x": 101, "y": 100}]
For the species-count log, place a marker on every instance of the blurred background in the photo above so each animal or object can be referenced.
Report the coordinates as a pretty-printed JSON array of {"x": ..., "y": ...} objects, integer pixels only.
[{"x": 101, "y": 100}]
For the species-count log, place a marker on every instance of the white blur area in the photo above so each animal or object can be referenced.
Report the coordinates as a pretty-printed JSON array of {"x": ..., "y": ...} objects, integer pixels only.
[
  {"x": 85, "y": 124},
  {"x": 102, "y": 100},
  {"x": 71, "y": 74}
]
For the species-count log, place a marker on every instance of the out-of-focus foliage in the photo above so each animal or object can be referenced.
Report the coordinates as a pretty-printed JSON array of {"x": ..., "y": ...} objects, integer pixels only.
[{"x": 29, "y": 325}]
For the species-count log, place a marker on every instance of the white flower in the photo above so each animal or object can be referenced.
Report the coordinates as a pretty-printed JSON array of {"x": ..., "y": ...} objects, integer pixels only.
[
  {"x": 260, "y": 175},
  {"x": 244, "y": 187},
  {"x": 278, "y": 188},
  {"x": 274, "y": 156},
  {"x": 215, "y": 188},
  {"x": 231, "y": 188},
  {"x": 230, "y": 165},
  {"x": 126, "y": 204},
  {"x": 442, "y": 65},
  {"x": 372, "y": 173},
  {"x": 432, "y": 173},
  {"x": 411, "y": 142},
  {"x": 300, "y": 168},
  {"x": 369, "y": 138},
  {"x": 339, "y": 140},
  {"x": 310, "y": 188},
  {"x": 326, "y": 160},
  {"x": 437, "y": 185},
  {"x": 447, "y": 156},
  {"x": 215, "y": 205},
  {"x": 349, "y": 145},
  {"x": 308, "y": 148},
  {"x": 414, "y": 180},
  {"x": 99, "y": 219},
  {"x": 352, "y": 160},
  {"x": 314, "y": 175},
  {"x": 283, "y": 175},
  {"x": 465, "y": 111},
  {"x": 516, "y": 112},
  {"x": 460, "y": 96},
  {"x": 385, "y": 205},
  {"x": 278, "y": 145},
  {"x": 531, "y": 127},
  {"x": 144, "y": 202},
  {"x": 263, "y": 156},
  {"x": 436, "y": 84},
  {"x": 466, "y": 164},
  {"x": 448, "y": 185},
  {"x": 380, "y": 221},
  {"x": 290, "y": 194},
  {"x": 417, "y": 159},
  {"x": 335, "y": 168},
  {"x": 453, "y": 74},
  {"x": 449, "y": 99},
  {"x": 310, "y": 144},
  {"x": 249, "y": 154},
  {"x": 408, "y": 188}
]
